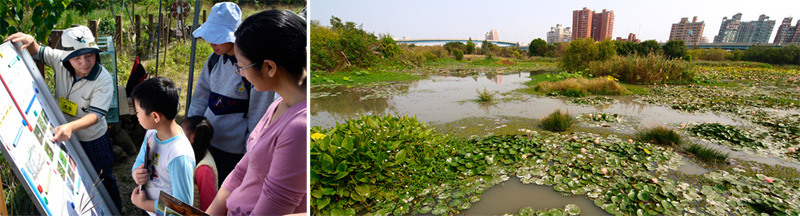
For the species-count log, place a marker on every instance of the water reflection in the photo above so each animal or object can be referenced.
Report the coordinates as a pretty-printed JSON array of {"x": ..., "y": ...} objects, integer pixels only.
[{"x": 512, "y": 195}]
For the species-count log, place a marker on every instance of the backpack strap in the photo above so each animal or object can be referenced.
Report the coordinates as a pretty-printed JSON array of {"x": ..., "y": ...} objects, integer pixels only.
[{"x": 212, "y": 61}]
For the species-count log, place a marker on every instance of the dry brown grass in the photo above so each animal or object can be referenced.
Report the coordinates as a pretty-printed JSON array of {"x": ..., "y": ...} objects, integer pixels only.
[{"x": 578, "y": 87}]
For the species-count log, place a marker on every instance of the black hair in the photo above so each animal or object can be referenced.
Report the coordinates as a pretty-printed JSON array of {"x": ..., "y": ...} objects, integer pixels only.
[
  {"x": 277, "y": 35},
  {"x": 203, "y": 132},
  {"x": 157, "y": 94}
]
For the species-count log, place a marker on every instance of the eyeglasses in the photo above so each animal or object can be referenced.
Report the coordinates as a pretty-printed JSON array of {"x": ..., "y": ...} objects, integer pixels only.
[{"x": 239, "y": 70}]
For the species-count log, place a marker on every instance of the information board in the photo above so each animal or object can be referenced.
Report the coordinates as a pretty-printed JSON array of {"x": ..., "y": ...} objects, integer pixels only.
[{"x": 56, "y": 175}]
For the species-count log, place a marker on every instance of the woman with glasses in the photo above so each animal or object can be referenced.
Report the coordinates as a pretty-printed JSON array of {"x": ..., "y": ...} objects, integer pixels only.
[
  {"x": 223, "y": 97},
  {"x": 271, "y": 177}
]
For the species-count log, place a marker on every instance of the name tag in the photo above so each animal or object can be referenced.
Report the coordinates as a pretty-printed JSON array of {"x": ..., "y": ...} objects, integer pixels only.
[{"x": 67, "y": 106}]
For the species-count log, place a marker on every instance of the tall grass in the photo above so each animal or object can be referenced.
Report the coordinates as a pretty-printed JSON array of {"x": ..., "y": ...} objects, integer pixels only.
[
  {"x": 706, "y": 154},
  {"x": 579, "y": 87},
  {"x": 486, "y": 95},
  {"x": 644, "y": 69},
  {"x": 557, "y": 122},
  {"x": 659, "y": 135}
]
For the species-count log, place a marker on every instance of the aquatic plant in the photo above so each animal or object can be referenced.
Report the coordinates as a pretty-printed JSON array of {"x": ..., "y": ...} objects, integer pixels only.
[
  {"x": 726, "y": 133},
  {"x": 486, "y": 95},
  {"x": 659, "y": 135},
  {"x": 557, "y": 122},
  {"x": 706, "y": 154},
  {"x": 579, "y": 87},
  {"x": 593, "y": 101},
  {"x": 644, "y": 69}
]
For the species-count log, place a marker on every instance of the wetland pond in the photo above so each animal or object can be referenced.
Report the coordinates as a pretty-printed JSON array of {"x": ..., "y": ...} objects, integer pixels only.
[{"x": 449, "y": 104}]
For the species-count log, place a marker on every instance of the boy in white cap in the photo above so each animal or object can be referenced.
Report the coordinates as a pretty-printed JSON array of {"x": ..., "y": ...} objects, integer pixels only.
[
  {"x": 83, "y": 89},
  {"x": 223, "y": 96}
]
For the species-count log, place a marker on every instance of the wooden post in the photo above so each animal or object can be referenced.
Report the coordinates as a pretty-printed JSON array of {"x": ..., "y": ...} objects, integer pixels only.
[
  {"x": 93, "y": 26},
  {"x": 150, "y": 32},
  {"x": 166, "y": 38},
  {"x": 118, "y": 33},
  {"x": 3, "y": 210},
  {"x": 150, "y": 26},
  {"x": 138, "y": 29},
  {"x": 204, "y": 15}
]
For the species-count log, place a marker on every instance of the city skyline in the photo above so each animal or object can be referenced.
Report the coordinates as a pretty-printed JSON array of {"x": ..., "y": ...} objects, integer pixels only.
[{"x": 523, "y": 21}]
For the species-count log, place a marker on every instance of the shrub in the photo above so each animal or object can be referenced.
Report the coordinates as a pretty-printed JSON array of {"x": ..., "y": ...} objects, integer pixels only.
[
  {"x": 340, "y": 45},
  {"x": 706, "y": 154},
  {"x": 644, "y": 69},
  {"x": 557, "y": 122},
  {"x": 659, "y": 135},
  {"x": 486, "y": 95},
  {"x": 675, "y": 49},
  {"x": 579, "y": 87},
  {"x": 579, "y": 54},
  {"x": 389, "y": 47},
  {"x": 458, "y": 54}
]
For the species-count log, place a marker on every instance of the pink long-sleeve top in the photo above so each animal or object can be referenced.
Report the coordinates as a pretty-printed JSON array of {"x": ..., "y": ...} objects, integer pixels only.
[{"x": 271, "y": 177}]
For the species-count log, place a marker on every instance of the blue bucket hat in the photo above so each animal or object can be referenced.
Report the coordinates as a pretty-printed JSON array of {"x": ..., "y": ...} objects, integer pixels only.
[{"x": 221, "y": 23}]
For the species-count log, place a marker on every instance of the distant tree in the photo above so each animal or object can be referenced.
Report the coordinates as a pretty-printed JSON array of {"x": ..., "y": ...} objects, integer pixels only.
[
  {"x": 606, "y": 49},
  {"x": 470, "y": 46},
  {"x": 579, "y": 54},
  {"x": 561, "y": 48},
  {"x": 675, "y": 49},
  {"x": 458, "y": 54},
  {"x": 487, "y": 47},
  {"x": 389, "y": 47},
  {"x": 538, "y": 47},
  {"x": 647, "y": 47},
  {"x": 450, "y": 46},
  {"x": 626, "y": 48}
]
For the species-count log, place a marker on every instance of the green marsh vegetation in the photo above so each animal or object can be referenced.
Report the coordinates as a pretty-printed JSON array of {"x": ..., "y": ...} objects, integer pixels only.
[{"x": 557, "y": 121}]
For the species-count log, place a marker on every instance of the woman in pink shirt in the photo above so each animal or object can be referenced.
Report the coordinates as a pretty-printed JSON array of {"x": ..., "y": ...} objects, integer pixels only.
[{"x": 271, "y": 177}]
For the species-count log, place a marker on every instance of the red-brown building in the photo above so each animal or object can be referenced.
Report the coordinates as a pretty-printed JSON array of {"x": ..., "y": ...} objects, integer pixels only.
[
  {"x": 631, "y": 38},
  {"x": 689, "y": 32},
  {"x": 788, "y": 33},
  {"x": 582, "y": 23},
  {"x": 587, "y": 23}
]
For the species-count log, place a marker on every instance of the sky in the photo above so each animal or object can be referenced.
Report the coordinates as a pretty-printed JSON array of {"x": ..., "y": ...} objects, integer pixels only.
[{"x": 522, "y": 21}]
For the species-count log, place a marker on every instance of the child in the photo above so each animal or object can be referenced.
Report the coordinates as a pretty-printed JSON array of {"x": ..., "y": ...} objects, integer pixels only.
[
  {"x": 199, "y": 131},
  {"x": 165, "y": 161}
]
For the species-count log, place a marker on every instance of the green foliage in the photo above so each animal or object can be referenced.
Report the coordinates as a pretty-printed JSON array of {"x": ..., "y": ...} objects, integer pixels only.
[
  {"x": 675, "y": 49},
  {"x": 625, "y": 48},
  {"x": 538, "y": 47},
  {"x": 487, "y": 47},
  {"x": 389, "y": 47},
  {"x": 712, "y": 54},
  {"x": 458, "y": 54},
  {"x": 450, "y": 46},
  {"x": 486, "y": 95},
  {"x": 659, "y": 135},
  {"x": 789, "y": 54},
  {"x": 707, "y": 154},
  {"x": 725, "y": 133},
  {"x": 341, "y": 45},
  {"x": 579, "y": 54},
  {"x": 648, "y": 47},
  {"x": 36, "y": 18},
  {"x": 352, "y": 167},
  {"x": 470, "y": 47},
  {"x": 557, "y": 122},
  {"x": 644, "y": 69},
  {"x": 606, "y": 49}
]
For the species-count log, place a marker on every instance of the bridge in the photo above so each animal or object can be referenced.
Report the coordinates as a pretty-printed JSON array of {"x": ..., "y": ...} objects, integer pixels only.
[{"x": 464, "y": 41}]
